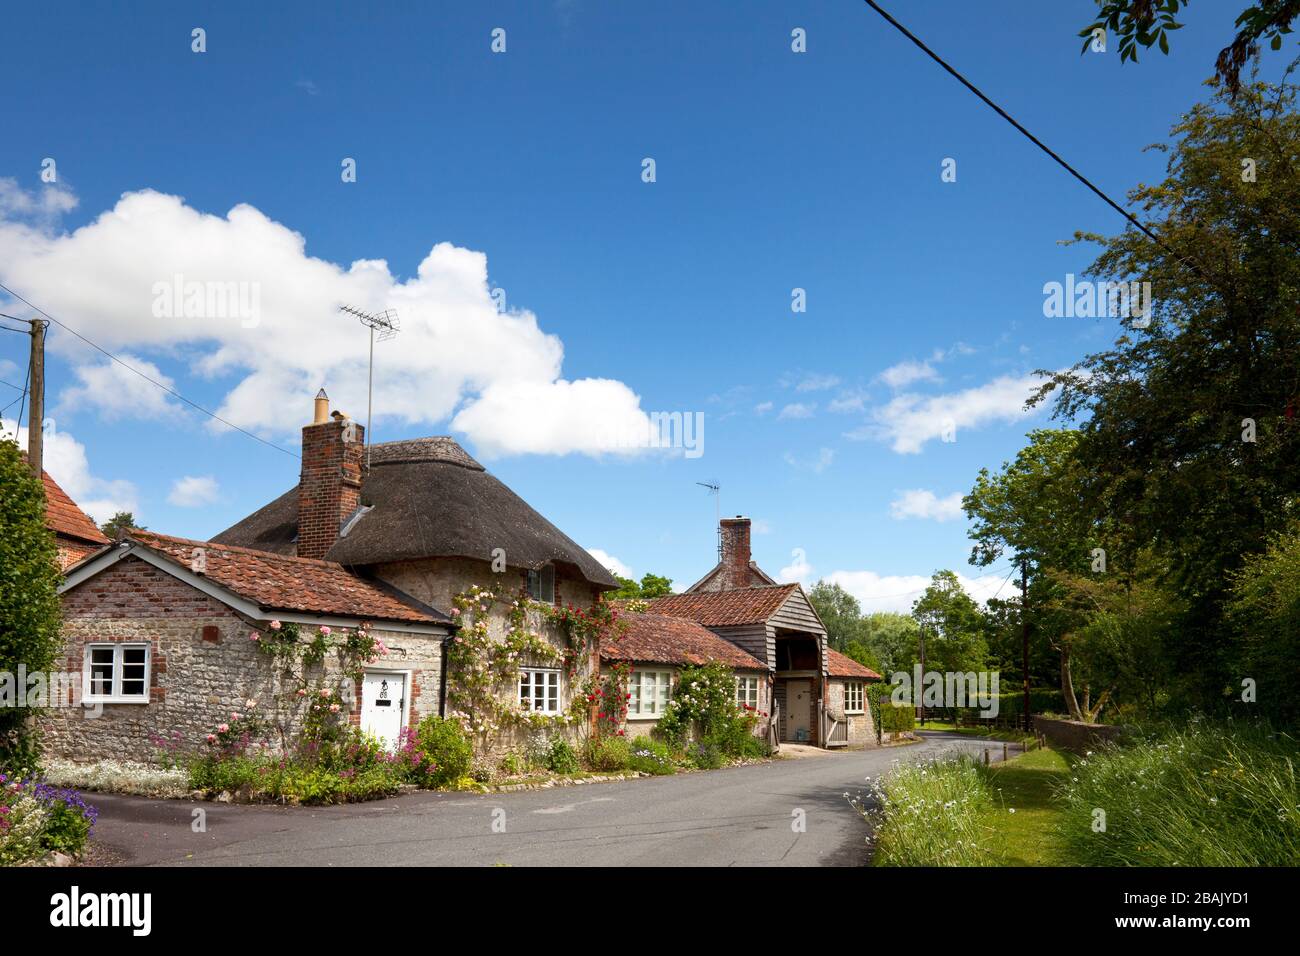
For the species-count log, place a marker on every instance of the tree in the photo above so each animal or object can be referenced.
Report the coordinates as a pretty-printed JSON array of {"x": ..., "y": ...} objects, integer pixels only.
[
  {"x": 949, "y": 619},
  {"x": 893, "y": 638},
  {"x": 1188, "y": 435},
  {"x": 1148, "y": 23},
  {"x": 651, "y": 586},
  {"x": 29, "y": 602},
  {"x": 1265, "y": 606},
  {"x": 120, "y": 522},
  {"x": 840, "y": 612}
]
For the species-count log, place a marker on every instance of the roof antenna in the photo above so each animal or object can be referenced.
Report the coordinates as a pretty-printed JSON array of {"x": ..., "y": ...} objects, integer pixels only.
[
  {"x": 386, "y": 324},
  {"x": 715, "y": 489}
]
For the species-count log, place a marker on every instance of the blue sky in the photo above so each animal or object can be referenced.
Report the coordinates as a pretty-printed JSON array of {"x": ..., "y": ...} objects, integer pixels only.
[{"x": 774, "y": 171}]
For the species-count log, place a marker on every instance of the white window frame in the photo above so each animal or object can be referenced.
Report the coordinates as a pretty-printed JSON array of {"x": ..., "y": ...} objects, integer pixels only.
[
  {"x": 528, "y": 687},
  {"x": 743, "y": 687},
  {"x": 541, "y": 584},
  {"x": 115, "y": 696},
  {"x": 861, "y": 693},
  {"x": 663, "y": 693}
]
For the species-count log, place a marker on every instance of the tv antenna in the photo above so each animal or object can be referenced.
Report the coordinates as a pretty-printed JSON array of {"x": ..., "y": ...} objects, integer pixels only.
[
  {"x": 715, "y": 489},
  {"x": 386, "y": 324}
]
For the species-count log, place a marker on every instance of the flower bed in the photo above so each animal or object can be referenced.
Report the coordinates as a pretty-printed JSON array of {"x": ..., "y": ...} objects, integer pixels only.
[{"x": 38, "y": 818}]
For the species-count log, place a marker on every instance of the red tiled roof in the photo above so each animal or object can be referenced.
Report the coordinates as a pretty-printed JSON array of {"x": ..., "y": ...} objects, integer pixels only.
[
  {"x": 62, "y": 516},
  {"x": 837, "y": 665},
  {"x": 663, "y": 639},
  {"x": 276, "y": 582},
  {"x": 726, "y": 608}
]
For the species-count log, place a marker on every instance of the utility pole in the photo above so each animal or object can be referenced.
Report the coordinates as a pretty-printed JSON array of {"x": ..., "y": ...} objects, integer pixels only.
[
  {"x": 919, "y": 692},
  {"x": 36, "y": 419},
  {"x": 1024, "y": 631}
]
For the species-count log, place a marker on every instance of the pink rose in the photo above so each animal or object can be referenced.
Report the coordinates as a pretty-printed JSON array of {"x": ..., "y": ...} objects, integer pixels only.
[
  {"x": 275, "y": 625},
  {"x": 325, "y": 630},
  {"x": 222, "y": 728}
]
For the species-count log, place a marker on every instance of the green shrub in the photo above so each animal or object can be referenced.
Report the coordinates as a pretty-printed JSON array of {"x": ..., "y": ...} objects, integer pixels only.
[
  {"x": 705, "y": 755},
  {"x": 443, "y": 743},
  {"x": 608, "y": 754},
  {"x": 560, "y": 757},
  {"x": 652, "y": 757},
  {"x": 1205, "y": 794},
  {"x": 29, "y": 600},
  {"x": 896, "y": 718}
]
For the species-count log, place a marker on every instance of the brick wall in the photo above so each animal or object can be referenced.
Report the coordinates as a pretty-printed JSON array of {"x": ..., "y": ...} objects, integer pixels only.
[
  {"x": 329, "y": 487},
  {"x": 203, "y": 666},
  {"x": 71, "y": 550}
]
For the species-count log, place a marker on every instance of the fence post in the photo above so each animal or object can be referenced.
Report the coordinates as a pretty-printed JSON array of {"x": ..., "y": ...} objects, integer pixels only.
[
  {"x": 1004, "y": 750},
  {"x": 986, "y": 756}
]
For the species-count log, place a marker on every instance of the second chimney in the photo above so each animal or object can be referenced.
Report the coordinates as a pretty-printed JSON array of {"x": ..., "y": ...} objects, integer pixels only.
[
  {"x": 329, "y": 488},
  {"x": 734, "y": 533}
]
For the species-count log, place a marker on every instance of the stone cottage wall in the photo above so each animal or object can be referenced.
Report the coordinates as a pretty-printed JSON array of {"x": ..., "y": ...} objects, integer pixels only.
[
  {"x": 436, "y": 581},
  {"x": 862, "y": 729},
  {"x": 203, "y": 666}
]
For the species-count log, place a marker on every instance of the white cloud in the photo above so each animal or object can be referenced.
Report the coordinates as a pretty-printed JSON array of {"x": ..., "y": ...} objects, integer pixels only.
[
  {"x": 193, "y": 491},
  {"x": 819, "y": 464},
  {"x": 897, "y": 592},
  {"x": 909, "y": 421},
  {"x": 42, "y": 207},
  {"x": 762, "y": 408},
  {"x": 456, "y": 353},
  {"x": 117, "y": 392},
  {"x": 922, "y": 503},
  {"x": 761, "y": 526},
  {"x": 854, "y": 400},
  {"x": 65, "y": 460},
  {"x": 798, "y": 569},
  {"x": 816, "y": 383},
  {"x": 610, "y": 562},
  {"x": 905, "y": 373},
  {"x": 796, "y": 410}
]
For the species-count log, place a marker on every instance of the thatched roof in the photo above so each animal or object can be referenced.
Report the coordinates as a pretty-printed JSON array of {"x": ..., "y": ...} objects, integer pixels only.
[{"x": 427, "y": 498}]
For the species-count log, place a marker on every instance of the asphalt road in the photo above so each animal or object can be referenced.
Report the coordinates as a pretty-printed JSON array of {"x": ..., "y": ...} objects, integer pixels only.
[{"x": 740, "y": 816}]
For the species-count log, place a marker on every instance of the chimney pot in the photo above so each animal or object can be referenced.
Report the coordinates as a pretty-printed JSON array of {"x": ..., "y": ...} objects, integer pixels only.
[{"x": 322, "y": 408}]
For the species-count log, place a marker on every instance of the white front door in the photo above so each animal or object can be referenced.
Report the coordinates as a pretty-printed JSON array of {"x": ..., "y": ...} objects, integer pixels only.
[
  {"x": 383, "y": 699},
  {"x": 798, "y": 710}
]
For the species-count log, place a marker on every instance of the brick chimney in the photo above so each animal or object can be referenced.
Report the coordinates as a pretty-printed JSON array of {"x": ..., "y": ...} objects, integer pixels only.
[
  {"x": 734, "y": 534},
  {"x": 329, "y": 489}
]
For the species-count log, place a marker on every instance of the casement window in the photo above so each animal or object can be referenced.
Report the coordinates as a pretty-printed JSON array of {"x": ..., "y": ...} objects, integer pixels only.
[
  {"x": 853, "y": 697},
  {"x": 747, "y": 692},
  {"x": 116, "y": 673},
  {"x": 541, "y": 584},
  {"x": 539, "y": 691},
  {"x": 649, "y": 692}
]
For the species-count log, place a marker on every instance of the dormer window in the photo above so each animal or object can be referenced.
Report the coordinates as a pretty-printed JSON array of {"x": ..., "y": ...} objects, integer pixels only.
[{"x": 541, "y": 584}]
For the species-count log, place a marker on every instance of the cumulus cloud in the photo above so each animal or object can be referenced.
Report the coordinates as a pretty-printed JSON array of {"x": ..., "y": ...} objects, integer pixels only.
[
  {"x": 65, "y": 460},
  {"x": 608, "y": 561},
  {"x": 923, "y": 503},
  {"x": 41, "y": 208},
  {"x": 909, "y": 421},
  {"x": 193, "y": 491},
  {"x": 897, "y": 592},
  {"x": 116, "y": 392},
  {"x": 267, "y": 326}
]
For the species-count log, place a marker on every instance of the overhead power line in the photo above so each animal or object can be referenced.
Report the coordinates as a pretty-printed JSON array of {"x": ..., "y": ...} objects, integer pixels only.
[
  {"x": 130, "y": 368},
  {"x": 1038, "y": 142}
]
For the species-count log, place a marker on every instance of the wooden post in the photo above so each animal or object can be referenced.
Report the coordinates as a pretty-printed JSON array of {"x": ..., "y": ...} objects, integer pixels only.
[
  {"x": 986, "y": 756},
  {"x": 36, "y": 419},
  {"x": 1004, "y": 750}
]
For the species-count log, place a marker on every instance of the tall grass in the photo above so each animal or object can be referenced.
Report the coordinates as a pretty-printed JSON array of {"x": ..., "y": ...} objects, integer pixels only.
[
  {"x": 1204, "y": 794},
  {"x": 932, "y": 814}
]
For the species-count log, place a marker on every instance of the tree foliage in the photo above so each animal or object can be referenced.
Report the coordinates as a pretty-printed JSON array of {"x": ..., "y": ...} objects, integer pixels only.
[
  {"x": 120, "y": 522},
  {"x": 650, "y": 586},
  {"x": 1188, "y": 437},
  {"x": 29, "y": 600},
  {"x": 1148, "y": 23}
]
